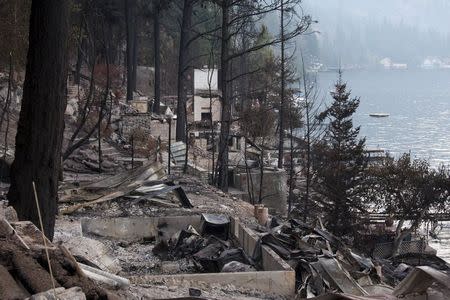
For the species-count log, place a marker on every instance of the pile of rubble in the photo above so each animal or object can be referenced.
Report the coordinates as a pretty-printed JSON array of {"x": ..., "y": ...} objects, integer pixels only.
[
  {"x": 148, "y": 236},
  {"x": 108, "y": 223},
  {"x": 326, "y": 266},
  {"x": 212, "y": 251},
  {"x": 85, "y": 160}
]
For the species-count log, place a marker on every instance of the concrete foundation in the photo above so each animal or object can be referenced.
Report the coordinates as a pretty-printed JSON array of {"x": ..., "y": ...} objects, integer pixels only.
[
  {"x": 272, "y": 282},
  {"x": 135, "y": 229},
  {"x": 277, "y": 278}
]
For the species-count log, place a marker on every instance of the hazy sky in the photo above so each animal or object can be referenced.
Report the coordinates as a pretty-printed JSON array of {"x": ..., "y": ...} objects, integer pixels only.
[{"x": 424, "y": 14}]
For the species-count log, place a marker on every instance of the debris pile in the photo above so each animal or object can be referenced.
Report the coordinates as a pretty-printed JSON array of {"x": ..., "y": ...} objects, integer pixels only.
[
  {"x": 325, "y": 265},
  {"x": 143, "y": 181},
  {"x": 211, "y": 251},
  {"x": 85, "y": 160}
]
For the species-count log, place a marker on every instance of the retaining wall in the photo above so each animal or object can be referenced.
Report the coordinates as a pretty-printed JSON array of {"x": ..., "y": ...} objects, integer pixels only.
[{"x": 277, "y": 278}]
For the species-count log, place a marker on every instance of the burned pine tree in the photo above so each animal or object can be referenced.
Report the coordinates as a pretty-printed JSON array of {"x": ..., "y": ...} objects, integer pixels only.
[
  {"x": 130, "y": 16},
  {"x": 339, "y": 163},
  {"x": 151, "y": 11},
  {"x": 234, "y": 15},
  {"x": 41, "y": 123},
  {"x": 196, "y": 25},
  {"x": 188, "y": 7},
  {"x": 312, "y": 127},
  {"x": 157, "y": 6},
  {"x": 282, "y": 89},
  {"x": 288, "y": 19}
]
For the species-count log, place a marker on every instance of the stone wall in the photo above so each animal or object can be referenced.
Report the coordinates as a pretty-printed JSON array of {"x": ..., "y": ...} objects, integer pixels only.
[
  {"x": 156, "y": 128},
  {"x": 130, "y": 122},
  {"x": 162, "y": 129}
]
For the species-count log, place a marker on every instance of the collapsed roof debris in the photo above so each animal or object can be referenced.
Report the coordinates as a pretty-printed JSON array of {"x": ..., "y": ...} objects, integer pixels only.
[
  {"x": 327, "y": 269},
  {"x": 142, "y": 181}
]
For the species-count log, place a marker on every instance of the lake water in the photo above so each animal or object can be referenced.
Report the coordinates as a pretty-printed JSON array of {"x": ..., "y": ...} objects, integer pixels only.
[
  {"x": 418, "y": 102},
  {"x": 442, "y": 243}
]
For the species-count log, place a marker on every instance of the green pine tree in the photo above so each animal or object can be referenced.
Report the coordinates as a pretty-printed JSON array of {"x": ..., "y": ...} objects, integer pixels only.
[{"x": 340, "y": 162}]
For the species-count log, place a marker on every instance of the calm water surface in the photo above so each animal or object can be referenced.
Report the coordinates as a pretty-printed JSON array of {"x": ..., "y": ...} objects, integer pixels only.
[
  {"x": 442, "y": 244},
  {"x": 418, "y": 102}
]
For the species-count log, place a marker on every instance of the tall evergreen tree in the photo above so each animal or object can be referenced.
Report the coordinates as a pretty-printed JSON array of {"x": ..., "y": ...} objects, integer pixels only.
[{"x": 340, "y": 162}]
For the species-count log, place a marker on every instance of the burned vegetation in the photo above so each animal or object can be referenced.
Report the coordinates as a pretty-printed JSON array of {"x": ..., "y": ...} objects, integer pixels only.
[{"x": 181, "y": 150}]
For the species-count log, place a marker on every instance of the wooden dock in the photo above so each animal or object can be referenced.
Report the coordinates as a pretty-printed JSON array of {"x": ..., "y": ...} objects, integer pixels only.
[{"x": 383, "y": 216}]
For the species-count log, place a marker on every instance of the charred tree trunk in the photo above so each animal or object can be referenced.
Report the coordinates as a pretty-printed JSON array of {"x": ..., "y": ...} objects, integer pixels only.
[
  {"x": 135, "y": 53},
  {"x": 213, "y": 135},
  {"x": 282, "y": 96},
  {"x": 102, "y": 108},
  {"x": 291, "y": 163},
  {"x": 157, "y": 46},
  {"x": 308, "y": 161},
  {"x": 182, "y": 69},
  {"x": 79, "y": 62},
  {"x": 243, "y": 83},
  {"x": 222, "y": 159},
  {"x": 308, "y": 144},
  {"x": 81, "y": 47},
  {"x": 41, "y": 122},
  {"x": 261, "y": 176},
  {"x": 129, "y": 21}
]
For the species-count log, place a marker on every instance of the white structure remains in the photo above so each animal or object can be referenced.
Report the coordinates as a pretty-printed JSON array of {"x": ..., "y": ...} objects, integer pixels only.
[
  {"x": 203, "y": 78},
  {"x": 206, "y": 100}
]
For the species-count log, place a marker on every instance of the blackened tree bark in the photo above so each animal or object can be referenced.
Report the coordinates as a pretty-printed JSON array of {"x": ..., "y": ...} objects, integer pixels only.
[
  {"x": 135, "y": 52},
  {"x": 80, "y": 48},
  {"x": 129, "y": 22},
  {"x": 222, "y": 159},
  {"x": 182, "y": 70},
  {"x": 282, "y": 92},
  {"x": 79, "y": 61},
  {"x": 157, "y": 46},
  {"x": 41, "y": 123}
]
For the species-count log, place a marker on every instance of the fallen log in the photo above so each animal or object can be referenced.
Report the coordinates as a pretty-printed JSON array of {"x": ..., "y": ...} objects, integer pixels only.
[
  {"x": 9, "y": 289},
  {"x": 35, "y": 278},
  {"x": 66, "y": 274},
  {"x": 6, "y": 228}
]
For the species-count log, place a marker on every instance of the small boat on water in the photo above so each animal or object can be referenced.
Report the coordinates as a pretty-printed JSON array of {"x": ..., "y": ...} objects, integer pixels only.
[{"x": 379, "y": 115}]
